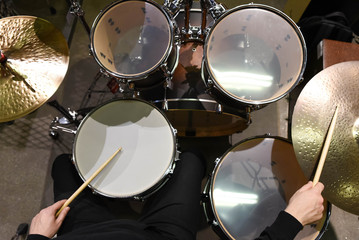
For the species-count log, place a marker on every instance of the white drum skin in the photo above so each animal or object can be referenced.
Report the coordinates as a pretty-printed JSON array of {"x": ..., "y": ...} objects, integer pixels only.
[
  {"x": 253, "y": 55},
  {"x": 133, "y": 40},
  {"x": 148, "y": 148}
]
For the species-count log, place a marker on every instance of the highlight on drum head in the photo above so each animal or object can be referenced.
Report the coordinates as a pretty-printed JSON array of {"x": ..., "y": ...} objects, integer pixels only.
[
  {"x": 148, "y": 148},
  {"x": 255, "y": 54},
  {"x": 130, "y": 39}
]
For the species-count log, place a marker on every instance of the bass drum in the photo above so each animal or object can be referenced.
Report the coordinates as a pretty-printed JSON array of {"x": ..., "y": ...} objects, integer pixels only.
[
  {"x": 253, "y": 55},
  {"x": 250, "y": 184},
  {"x": 143, "y": 165},
  {"x": 192, "y": 111},
  {"x": 138, "y": 49}
]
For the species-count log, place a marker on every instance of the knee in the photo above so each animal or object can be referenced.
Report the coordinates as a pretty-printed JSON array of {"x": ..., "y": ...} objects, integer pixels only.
[{"x": 196, "y": 157}]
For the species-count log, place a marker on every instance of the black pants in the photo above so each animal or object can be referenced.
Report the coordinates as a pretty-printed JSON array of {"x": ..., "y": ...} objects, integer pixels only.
[{"x": 170, "y": 213}]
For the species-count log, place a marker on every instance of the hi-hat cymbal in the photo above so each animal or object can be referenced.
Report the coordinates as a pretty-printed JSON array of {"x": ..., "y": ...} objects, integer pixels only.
[
  {"x": 34, "y": 61},
  {"x": 337, "y": 85}
]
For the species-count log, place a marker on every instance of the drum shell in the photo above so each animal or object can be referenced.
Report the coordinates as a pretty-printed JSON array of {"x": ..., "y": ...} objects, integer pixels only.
[
  {"x": 283, "y": 75},
  {"x": 99, "y": 114},
  {"x": 157, "y": 72},
  {"x": 298, "y": 179}
]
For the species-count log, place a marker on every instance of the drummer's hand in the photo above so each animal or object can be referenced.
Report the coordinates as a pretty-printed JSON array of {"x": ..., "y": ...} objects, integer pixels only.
[
  {"x": 306, "y": 205},
  {"x": 45, "y": 223}
]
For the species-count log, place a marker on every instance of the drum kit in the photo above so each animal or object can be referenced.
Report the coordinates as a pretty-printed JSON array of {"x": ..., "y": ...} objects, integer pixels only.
[{"x": 194, "y": 69}]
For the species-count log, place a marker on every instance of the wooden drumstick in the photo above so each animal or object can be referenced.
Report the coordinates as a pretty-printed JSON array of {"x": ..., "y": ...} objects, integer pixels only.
[
  {"x": 84, "y": 185},
  {"x": 323, "y": 155}
]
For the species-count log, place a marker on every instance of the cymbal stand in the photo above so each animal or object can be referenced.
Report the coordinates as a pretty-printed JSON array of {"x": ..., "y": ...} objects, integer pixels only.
[{"x": 77, "y": 10}]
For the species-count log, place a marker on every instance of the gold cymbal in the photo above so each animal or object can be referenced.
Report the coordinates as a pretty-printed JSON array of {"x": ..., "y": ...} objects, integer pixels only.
[
  {"x": 34, "y": 61},
  {"x": 337, "y": 85}
]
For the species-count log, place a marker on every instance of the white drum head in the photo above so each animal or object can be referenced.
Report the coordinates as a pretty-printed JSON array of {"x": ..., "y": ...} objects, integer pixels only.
[
  {"x": 131, "y": 38},
  {"x": 147, "y": 141},
  {"x": 255, "y": 54}
]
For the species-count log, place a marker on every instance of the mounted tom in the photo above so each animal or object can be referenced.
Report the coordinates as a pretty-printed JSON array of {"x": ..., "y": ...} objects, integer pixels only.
[
  {"x": 253, "y": 55},
  {"x": 134, "y": 41}
]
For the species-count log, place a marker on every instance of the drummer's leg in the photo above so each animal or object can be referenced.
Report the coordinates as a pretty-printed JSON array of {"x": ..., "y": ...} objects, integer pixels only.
[
  {"x": 174, "y": 211},
  {"x": 87, "y": 208}
]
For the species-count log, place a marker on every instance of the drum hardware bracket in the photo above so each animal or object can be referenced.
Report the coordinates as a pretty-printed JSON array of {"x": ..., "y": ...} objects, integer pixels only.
[
  {"x": 215, "y": 9},
  {"x": 53, "y": 132},
  {"x": 173, "y": 7},
  {"x": 193, "y": 33},
  {"x": 68, "y": 113},
  {"x": 166, "y": 71}
]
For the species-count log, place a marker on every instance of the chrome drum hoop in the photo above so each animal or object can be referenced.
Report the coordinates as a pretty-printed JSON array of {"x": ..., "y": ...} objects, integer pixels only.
[
  {"x": 132, "y": 39},
  {"x": 253, "y": 55},
  {"x": 131, "y": 124}
]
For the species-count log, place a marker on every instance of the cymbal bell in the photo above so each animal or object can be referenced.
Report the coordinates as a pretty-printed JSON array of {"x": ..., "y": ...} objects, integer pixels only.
[
  {"x": 337, "y": 85},
  {"x": 34, "y": 61}
]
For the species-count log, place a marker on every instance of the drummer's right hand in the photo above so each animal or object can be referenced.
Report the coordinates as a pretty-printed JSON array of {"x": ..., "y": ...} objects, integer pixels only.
[
  {"x": 45, "y": 223},
  {"x": 306, "y": 205}
]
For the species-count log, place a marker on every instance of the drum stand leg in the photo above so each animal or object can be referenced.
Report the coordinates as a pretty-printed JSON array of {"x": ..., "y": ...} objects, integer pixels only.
[
  {"x": 77, "y": 10},
  {"x": 90, "y": 90},
  {"x": 165, "y": 102},
  {"x": 248, "y": 116}
]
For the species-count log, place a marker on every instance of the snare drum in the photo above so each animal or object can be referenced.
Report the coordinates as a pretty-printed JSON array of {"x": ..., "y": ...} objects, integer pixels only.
[
  {"x": 192, "y": 111},
  {"x": 143, "y": 165},
  {"x": 253, "y": 55},
  {"x": 250, "y": 184},
  {"x": 133, "y": 40}
]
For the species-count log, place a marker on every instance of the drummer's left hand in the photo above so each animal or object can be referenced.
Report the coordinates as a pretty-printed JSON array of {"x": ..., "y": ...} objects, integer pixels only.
[{"x": 45, "y": 223}]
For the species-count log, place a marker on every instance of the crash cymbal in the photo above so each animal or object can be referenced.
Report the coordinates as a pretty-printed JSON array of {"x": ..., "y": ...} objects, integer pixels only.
[
  {"x": 34, "y": 61},
  {"x": 336, "y": 85}
]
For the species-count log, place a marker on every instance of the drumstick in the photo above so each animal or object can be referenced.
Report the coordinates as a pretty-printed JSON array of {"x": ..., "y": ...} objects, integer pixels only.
[
  {"x": 84, "y": 185},
  {"x": 325, "y": 148}
]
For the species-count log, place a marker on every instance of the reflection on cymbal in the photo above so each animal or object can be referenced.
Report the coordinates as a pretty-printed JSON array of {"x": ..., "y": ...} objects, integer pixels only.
[
  {"x": 34, "y": 61},
  {"x": 336, "y": 85}
]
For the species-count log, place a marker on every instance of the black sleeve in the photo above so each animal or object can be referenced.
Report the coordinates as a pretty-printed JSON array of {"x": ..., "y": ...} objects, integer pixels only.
[
  {"x": 36, "y": 237},
  {"x": 285, "y": 227}
]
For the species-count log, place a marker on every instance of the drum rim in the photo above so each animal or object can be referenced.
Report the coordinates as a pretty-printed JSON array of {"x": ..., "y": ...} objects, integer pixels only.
[
  {"x": 205, "y": 64},
  {"x": 137, "y": 76},
  {"x": 146, "y": 192},
  {"x": 210, "y": 183}
]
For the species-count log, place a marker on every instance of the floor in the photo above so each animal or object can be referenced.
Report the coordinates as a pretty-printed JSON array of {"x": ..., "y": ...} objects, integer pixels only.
[{"x": 27, "y": 150}]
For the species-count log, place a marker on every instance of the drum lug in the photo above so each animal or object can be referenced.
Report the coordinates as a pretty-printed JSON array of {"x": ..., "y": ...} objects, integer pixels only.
[
  {"x": 164, "y": 68},
  {"x": 219, "y": 109},
  {"x": 177, "y": 158},
  {"x": 165, "y": 105},
  {"x": 214, "y": 223},
  {"x": 248, "y": 115},
  {"x": 217, "y": 161},
  {"x": 103, "y": 71},
  {"x": 210, "y": 83}
]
